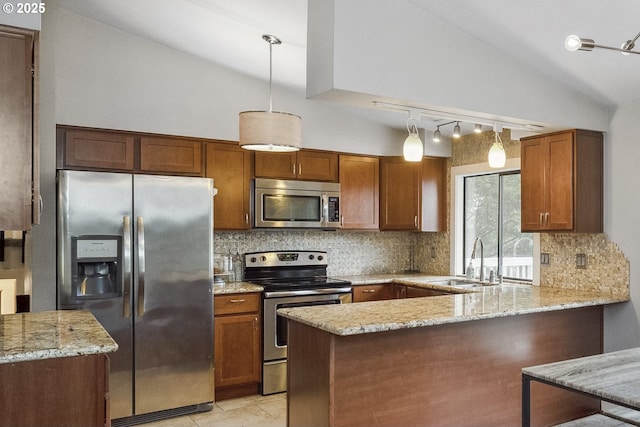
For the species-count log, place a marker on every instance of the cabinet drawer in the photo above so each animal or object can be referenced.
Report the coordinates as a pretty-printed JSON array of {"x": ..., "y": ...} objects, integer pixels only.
[
  {"x": 236, "y": 303},
  {"x": 376, "y": 292}
]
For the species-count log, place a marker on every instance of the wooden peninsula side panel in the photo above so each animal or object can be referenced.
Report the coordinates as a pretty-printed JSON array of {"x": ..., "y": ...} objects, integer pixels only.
[
  {"x": 457, "y": 374},
  {"x": 67, "y": 391}
]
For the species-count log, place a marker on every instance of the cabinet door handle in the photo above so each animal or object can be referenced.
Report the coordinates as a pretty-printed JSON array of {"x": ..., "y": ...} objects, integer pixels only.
[
  {"x": 415, "y": 221},
  {"x": 293, "y": 168},
  {"x": 341, "y": 220},
  {"x": 299, "y": 168},
  {"x": 246, "y": 218},
  {"x": 236, "y": 301},
  {"x": 546, "y": 218},
  {"x": 368, "y": 291},
  {"x": 541, "y": 218}
]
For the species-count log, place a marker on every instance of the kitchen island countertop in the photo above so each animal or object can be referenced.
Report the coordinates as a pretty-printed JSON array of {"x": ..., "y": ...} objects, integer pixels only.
[
  {"x": 52, "y": 334},
  {"x": 464, "y": 305}
]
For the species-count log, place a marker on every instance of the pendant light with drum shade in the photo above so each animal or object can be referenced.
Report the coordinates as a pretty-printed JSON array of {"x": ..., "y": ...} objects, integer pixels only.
[{"x": 270, "y": 130}]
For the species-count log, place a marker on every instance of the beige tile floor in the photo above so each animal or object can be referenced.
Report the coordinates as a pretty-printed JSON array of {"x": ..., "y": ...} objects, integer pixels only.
[{"x": 250, "y": 411}]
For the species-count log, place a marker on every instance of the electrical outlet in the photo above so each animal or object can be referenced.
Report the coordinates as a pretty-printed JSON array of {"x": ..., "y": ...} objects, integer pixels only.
[
  {"x": 433, "y": 252},
  {"x": 545, "y": 259},
  {"x": 581, "y": 261}
]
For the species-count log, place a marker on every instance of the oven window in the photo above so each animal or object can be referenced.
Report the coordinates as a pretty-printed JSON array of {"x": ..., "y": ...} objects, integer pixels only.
[
  {"x": 281, "y": 322},
  {"x": 291, "y": 208}
]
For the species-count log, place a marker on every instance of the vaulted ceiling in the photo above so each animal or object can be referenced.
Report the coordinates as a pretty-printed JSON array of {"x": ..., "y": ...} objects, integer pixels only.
[{"x": 530, "y": 31}]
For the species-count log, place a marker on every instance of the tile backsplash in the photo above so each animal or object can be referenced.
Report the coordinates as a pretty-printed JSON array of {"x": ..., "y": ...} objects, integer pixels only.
[
  {"x": 348, "y": 253},
  {"x": 607, "y": 269}
]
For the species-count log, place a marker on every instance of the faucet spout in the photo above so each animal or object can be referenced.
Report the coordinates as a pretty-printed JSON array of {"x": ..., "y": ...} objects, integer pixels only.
[{"x": 473, "y": 256}]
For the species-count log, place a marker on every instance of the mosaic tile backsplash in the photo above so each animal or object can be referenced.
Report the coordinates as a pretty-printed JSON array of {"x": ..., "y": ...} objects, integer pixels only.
[
  {"x": 348, "y": 253},
  {"x": 607, "y": 268}
]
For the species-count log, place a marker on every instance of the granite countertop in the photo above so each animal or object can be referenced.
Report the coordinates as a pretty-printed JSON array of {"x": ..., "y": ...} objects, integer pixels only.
[
  {"x": 52, "y": 334},
  {"x": 235, "y": 288},
  {"x": 464, "y": 305}
]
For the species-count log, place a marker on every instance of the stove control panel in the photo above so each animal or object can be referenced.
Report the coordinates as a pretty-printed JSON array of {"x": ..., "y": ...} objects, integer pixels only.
[{"x": 285, "y": 258}]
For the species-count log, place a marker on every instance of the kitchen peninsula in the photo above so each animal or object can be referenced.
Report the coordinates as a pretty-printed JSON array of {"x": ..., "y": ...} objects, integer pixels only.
[
  {"x": 54, "y": 369},
  {"x": 450, "y": 360}
]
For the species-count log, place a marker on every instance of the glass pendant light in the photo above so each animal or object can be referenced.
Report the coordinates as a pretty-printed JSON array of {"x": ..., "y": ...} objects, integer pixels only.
[
  {"x": 413, "y": 150},
  {"x": 497, "y": 155}
]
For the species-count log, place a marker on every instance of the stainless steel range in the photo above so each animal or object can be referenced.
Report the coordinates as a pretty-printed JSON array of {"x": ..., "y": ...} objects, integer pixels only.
[{"x": 290, "y": 279}]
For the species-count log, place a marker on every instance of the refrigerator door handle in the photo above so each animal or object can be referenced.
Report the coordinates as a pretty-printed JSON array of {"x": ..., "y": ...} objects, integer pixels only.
[
  {"x": 126, "y": 289},
  {"x": 141, "y": 266}
]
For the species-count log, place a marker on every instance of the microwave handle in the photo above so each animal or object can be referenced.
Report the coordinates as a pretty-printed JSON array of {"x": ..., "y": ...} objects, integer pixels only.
[{"x": 324, "y": 214}]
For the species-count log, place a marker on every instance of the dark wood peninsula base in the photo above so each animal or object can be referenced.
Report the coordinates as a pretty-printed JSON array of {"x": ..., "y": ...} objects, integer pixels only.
[{"x": 457, "y": 374}]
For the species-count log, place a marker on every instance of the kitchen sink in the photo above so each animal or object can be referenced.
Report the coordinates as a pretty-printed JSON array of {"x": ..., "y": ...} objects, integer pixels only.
[{"x": 459, "y": 283}]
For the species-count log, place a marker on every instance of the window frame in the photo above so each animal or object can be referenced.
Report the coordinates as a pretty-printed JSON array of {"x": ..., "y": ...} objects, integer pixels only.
[{"x": 458, "y": 173}]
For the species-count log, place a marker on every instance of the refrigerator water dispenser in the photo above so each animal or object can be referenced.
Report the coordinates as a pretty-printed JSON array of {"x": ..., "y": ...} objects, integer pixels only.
[{"x": 95, "y": 267}]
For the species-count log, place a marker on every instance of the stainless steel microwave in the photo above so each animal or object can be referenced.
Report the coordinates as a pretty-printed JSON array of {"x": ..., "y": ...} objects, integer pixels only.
[{"x": 296, "y": 204}]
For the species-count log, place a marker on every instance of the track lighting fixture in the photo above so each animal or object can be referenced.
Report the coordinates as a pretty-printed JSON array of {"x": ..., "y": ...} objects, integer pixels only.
[
  {"x": 477, "y": 128},
  {"x": 573, "y": 43},
  {"x": 497, "y": 156},
  {"x": 437, "y": 135},
  {"x": 456, "y": 130},
  {"x": 413, "y": 150},
  {"x": 270, "y": 130}
]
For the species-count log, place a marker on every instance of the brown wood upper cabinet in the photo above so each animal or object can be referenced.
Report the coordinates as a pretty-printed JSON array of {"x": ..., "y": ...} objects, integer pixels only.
[
  {"x": 175, "y": 156},
  {"x": 19, "y": 168},
  {"x": 230, "y": 167},
  {"x": 309, "y": 165},
  {"x": 562, "y": 182},
  {"x": 122, "y": 151},
  {"x": 359, "y": 192},
  {"x": 413, "y": 194},
  {"x": 97, "y": 149}
]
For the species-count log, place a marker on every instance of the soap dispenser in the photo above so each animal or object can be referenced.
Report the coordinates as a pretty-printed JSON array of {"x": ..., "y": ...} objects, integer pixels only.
[{"x": 469, "y": 271}]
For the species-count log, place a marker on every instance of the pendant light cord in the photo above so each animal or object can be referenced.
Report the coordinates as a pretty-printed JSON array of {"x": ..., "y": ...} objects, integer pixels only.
[
  {"x": 270, "y": 75},
  {"x": 271, "y": 40}
]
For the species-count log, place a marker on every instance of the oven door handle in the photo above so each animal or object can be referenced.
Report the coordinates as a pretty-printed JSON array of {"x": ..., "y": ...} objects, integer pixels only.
[{"x": 301, "y": 292}]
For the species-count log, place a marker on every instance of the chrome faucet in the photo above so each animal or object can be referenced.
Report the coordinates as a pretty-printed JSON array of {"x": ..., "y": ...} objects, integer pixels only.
[{"x": 473, "y": 256}]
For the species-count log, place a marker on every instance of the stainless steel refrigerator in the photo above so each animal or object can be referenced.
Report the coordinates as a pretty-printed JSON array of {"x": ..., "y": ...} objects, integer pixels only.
[{"x": 137, "y": 251}]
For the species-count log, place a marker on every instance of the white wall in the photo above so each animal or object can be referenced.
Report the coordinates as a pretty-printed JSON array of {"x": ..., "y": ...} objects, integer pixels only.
[
  {"x": 107, "y": 78},
  {"x": 622, "y": 217}
]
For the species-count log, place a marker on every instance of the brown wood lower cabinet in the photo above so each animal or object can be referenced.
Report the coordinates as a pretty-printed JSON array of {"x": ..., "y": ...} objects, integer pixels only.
[
  {"x": 374, "y": 292},
  {"x": 458, "y": 374},
  {"x": 385, "y": 291},
  {"x": 237, "y": 345},
  {"x": 69, "y": 391}
]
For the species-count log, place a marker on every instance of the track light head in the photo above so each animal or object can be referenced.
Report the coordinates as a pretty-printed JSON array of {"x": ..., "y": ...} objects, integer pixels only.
[
  {"x": 573, "y": 43},
  {"x": 477, "y": 128},
  {"x": 456, "y": 130},
  {"x": 436, "y": 135}
]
